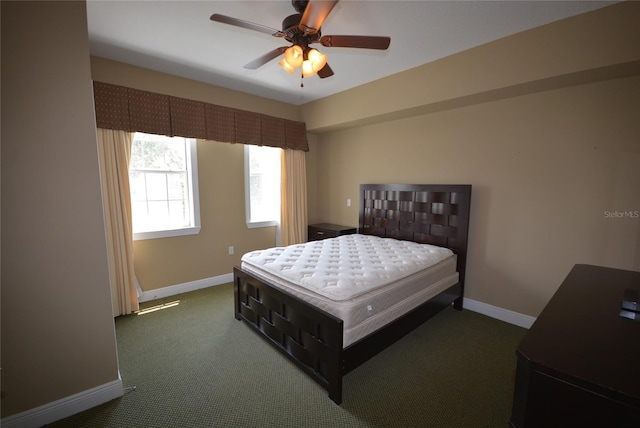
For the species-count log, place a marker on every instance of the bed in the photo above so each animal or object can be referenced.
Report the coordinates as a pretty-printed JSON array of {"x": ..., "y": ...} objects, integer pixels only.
[{"x": 328, "y": 328}]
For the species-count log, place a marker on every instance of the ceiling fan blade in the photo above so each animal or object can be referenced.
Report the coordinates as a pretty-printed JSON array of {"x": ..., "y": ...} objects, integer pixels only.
[
  {"x": 315, "y": 14},
  {"x": 260, "y": 61},
  {"x": 246, "y": 24},
  {"x": 366, "y": 42},
  {"x": 325, "y": 71}
]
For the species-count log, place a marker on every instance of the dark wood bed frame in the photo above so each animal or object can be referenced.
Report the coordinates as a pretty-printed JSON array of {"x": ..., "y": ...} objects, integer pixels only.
[{"x": 312, "y": 338}]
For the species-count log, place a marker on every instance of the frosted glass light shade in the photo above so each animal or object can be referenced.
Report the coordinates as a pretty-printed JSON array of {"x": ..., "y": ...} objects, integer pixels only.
[
  {"x": 307, "y": 69},
  {"x": 284, "y": 64},
  {"x": 318, "y": 59},
  {"x": 293, "y": 56}
]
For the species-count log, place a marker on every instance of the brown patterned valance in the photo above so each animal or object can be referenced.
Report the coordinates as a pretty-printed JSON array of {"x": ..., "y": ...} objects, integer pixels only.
[
  {"x": 128, "y": 109},
  {"x": 149, "y": 112},
  {"x": 188, "y": 118}
]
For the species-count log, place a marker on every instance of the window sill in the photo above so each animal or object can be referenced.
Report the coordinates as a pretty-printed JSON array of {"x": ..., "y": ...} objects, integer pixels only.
[
  {"x": 257, "y": 224},
  {"x": 166, "y": 233}
]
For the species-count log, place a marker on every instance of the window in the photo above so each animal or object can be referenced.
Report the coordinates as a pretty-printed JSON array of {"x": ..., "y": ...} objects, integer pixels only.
[
  {"x": 163, "y": 176},
  {"x": 262, "y": 185}
]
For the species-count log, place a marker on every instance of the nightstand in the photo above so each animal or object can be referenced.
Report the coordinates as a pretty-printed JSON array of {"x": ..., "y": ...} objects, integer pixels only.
[{"x": 320, "y": 231}]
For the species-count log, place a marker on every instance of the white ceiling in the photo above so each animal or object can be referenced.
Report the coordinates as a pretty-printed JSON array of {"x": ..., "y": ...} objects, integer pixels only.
[{"x": 177, "y": 37}]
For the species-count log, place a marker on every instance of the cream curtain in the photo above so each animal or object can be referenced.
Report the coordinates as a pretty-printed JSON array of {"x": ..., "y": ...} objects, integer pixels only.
[
  {"x": 115, "y": 154},
  {"x": 293, "y": 199}
]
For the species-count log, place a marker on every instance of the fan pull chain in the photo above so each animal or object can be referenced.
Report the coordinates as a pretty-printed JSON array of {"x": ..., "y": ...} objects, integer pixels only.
[{"x": 301, "y": 81}]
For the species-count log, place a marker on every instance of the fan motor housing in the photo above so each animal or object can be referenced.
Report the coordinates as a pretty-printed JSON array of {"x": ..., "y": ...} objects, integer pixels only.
[
  {"x": 293, "y": 33},
  {"x": 290, "y": 24}
]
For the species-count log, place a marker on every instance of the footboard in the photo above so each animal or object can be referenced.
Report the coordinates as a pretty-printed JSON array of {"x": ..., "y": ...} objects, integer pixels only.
[{"x": 308, "y": 336}]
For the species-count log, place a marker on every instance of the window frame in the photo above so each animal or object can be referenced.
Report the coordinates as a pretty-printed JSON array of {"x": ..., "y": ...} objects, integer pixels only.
[
  {"x": 247, "y": 193},
  {"x": 194, "y": 191}
]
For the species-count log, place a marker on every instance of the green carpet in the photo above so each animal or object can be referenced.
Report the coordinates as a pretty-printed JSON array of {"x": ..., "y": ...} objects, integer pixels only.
[{"x": 195, "y": 365}]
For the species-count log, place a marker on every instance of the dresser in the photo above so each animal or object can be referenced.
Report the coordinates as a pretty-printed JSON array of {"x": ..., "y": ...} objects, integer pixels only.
[
  {"x": 579, "y": 364},
  {"x": 320, "y": 231}
]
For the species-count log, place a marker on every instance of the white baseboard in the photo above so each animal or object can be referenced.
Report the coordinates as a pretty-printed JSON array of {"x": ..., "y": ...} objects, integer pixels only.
[
  {"x": 65, "y": 407},
  {"x": 496, "y": 312},
  {"x": 501, "y": 314},
  {"x": 172, "y": 290}
]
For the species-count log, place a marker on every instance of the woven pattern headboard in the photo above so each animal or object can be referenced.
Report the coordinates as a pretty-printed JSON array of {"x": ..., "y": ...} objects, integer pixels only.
[{"x": 436, "y": 214}]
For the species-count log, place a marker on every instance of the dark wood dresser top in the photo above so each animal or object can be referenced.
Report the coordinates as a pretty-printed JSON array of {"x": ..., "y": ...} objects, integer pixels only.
[
  {"x": 330, "y": 226},
  {"x": 581, "y": 337}
]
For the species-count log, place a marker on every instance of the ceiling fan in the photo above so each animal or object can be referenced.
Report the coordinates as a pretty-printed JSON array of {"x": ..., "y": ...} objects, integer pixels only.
[{"x": 301, "y": 30}]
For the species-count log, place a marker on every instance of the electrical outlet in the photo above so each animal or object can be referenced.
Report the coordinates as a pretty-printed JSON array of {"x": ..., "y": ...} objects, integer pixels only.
[
  {"x": 348, "y": 202},
  {"x": 231, "y": 250}
]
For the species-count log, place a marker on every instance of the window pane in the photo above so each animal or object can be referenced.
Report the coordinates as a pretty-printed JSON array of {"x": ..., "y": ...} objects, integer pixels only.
[
  {"x": 177, "y": 186},
  {"x": 137, "y": 187},
  {"x": 256, "y": 191},
  {"x": 175, "y": 156},
  {"x": 177, "y": 214},
  {"x": 163, "y": 184},
  {"x": 139, "y": 213},
  {"x": 263, "y": 178},
  {"x": 158, "y": 214},
  {"x": 156, "y": 186},
  {"x": 158, "y": 152}
]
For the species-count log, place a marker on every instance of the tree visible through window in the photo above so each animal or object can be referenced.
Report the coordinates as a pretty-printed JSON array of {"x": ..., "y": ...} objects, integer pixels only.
[{"x": 163, "y": 182}]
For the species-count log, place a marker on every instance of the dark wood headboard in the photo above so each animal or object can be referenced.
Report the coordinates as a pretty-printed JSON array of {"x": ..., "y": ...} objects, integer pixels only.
[{"x": 436, "y": 214}]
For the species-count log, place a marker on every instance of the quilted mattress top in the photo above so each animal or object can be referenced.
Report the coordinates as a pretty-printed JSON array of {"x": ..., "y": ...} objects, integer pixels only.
[{"x": 348, "y": 266}]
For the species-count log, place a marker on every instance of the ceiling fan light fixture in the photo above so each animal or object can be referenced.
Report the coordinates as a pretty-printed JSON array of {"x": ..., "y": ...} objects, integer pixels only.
[
  {"x": 318, "y": 59},
  {"x": 307, "y": 68},
  {"x": 294, "y": 56},
  {"x": 301, "y": 30},
  {"x": 284, "y": 64},
  {"x": 311, "y": 60}
]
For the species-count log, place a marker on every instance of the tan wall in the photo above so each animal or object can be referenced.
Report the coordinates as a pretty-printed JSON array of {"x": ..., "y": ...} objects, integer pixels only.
[
  {"x": 546, "y": 157},
  {"x": 172, "y": 261},
  {"x": 544, "y": 170},
  {"x": 58, "y": 336},
  {"x": 588, "y": 47}
]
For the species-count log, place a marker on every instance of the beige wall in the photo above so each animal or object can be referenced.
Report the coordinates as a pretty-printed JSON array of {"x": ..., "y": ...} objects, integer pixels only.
[
  {"x": 544, "y": 169},
  {"x": 58, "y": 336},
  {"x": 584, "y": 48},
  {"x": 546, "y": 157}
]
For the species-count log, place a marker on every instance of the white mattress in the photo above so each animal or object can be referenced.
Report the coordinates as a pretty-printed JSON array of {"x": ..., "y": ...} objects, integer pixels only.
[{"x": 365, "y": 280}]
